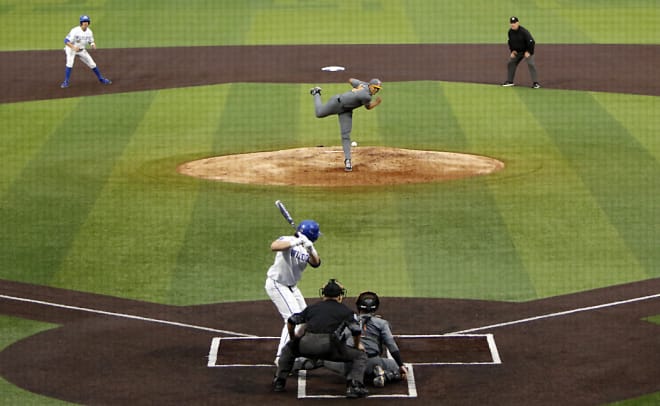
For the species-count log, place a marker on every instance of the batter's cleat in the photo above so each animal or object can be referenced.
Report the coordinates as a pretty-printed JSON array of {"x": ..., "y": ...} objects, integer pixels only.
[
  {"x": 507, "y": 84},
  {"x": 279, "y": 384},
  {"x": 315, "y": 90},
  {"x": 379, "y": 376},
  {"x": 348, "y": 167},
  {"x": 536, "y": 85},
  {"x": 105, "y": 81},
  {"x": 355, "y": 390},
  {"x": 64, "y": 84}
]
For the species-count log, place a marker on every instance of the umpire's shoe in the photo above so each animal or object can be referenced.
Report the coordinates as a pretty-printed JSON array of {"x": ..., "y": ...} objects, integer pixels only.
[
  {"x": 279, "y": 384},
  {"x": 315, "y": 90},
  {"x": 355, "y": 389}
]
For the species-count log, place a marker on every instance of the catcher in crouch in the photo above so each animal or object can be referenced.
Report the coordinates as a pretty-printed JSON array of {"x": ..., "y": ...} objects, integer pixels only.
[
  {"x": 376, "y": 337},
  {"x": 325, "y": 321}
]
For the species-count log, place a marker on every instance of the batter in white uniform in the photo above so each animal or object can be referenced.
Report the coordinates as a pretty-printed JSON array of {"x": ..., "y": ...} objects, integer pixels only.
[
  {"x": 75, "y": 44},
  {"x": 293, "y": 253}
]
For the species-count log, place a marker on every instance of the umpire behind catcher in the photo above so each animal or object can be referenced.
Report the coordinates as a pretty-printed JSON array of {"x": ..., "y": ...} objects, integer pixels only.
[{"x": 325, "y": 322}]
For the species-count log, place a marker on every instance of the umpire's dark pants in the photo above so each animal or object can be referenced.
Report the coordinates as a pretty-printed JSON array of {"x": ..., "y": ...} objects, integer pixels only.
[
  {"x": 513, "y": 65},
  {"x": 325, "y": 347}
]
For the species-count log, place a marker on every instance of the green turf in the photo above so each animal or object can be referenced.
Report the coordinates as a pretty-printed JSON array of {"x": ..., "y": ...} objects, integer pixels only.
[
  {"x": 130, "y": 23},
  {"x": 647, "y": 400},
  {"x": 14, "y": 329},
  {"x": 90, "y": 199},
  {"x": 573, "y": 210}
]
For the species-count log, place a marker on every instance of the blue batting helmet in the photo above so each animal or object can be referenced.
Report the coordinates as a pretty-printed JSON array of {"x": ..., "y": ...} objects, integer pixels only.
[
  {"x": 310, "y": 229},
  {"x": 85, "y": 19}
]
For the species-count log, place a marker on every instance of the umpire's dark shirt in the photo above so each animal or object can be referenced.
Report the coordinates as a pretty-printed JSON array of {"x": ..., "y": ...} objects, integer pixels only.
[
  {"x": 521, "y": 40},
  {"x": 325, "y": 316}
]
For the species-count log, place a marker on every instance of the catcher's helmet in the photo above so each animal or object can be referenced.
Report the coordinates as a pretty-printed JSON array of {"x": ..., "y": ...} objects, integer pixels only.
[
  {"x": 310, "y": 228},
  {"x": 333, "y": 289},
  {"x": 367, "y": 302},
  {"x": 85, "y": 19}
]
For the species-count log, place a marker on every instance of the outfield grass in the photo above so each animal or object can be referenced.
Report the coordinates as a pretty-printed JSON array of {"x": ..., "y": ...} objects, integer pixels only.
[
  {"x": 90, "y": 199},
  {"x": 135, "y": 24}
]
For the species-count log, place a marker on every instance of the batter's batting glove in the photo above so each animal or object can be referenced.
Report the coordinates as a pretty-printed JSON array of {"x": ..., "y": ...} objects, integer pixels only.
[{"x": 305, "y": 241}]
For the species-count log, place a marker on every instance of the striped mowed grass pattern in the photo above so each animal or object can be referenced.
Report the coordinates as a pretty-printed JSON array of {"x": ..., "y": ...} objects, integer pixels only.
[{"x": 102, "y": 208}]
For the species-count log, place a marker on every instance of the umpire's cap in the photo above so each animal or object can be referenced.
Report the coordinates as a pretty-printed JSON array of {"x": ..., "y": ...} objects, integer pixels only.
[
  {"x": 333, "y": 289},
  {"x": 513, "y": 19}
]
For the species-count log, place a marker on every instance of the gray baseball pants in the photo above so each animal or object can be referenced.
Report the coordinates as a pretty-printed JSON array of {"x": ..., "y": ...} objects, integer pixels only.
[
  {"x": 513, "y": 65},
  {"x": 333, "y": 106}
]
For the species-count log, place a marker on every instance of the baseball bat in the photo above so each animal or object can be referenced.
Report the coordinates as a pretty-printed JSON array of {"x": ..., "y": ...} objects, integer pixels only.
[{"x": 285, "y": 213}]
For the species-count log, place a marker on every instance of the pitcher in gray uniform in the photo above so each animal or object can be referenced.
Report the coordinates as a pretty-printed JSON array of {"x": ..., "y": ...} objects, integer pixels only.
[{"x": 343, "y": 105}]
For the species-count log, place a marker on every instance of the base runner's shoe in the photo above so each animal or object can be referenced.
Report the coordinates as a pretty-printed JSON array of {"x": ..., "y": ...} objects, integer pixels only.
[
  {"x": 507, "y": 84},
  {"x": 64, "y": 84},
  {"x": 348, "y": 167},
  {"x": 315, "y": 90},
  {"x": 105, "y": 81}
]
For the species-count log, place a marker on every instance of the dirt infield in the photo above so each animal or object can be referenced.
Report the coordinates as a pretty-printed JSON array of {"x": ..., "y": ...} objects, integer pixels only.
[
  {"x": 36, "y": 75},
  {"x": 323, "y": 166},
  {"x": 587, "y": 348}
]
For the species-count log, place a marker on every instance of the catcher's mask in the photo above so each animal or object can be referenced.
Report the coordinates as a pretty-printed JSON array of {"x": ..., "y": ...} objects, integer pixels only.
[
  {"x": 332, "y": 289},
  {"x": 367, "y": 302}
]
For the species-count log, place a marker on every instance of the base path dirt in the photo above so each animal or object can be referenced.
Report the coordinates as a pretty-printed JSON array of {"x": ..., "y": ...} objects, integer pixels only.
[
  {"x": 323, "y": 166},
  {"x": 36, "y": 75}
]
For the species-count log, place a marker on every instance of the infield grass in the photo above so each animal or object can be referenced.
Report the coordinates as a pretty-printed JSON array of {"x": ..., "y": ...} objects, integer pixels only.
[
  {"x": 90, "y": 199},
  {"x": 105, "y": 210}
]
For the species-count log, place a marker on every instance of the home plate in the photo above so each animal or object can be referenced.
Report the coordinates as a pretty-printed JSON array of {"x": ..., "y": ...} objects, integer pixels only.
[{"x": 333, "y": 68}]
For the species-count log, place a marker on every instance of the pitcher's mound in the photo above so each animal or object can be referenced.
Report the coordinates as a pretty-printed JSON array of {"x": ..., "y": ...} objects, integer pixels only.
[{"x": 324, "y": 166}]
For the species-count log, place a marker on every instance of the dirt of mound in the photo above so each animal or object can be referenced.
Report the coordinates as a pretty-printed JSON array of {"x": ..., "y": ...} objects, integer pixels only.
[{"x": 323, "y": 166}]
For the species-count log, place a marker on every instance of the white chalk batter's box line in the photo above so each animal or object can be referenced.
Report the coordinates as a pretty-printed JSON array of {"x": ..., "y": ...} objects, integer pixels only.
[
  {"x": 490, "y": 339},
  {"x": 412, "y": 386}
]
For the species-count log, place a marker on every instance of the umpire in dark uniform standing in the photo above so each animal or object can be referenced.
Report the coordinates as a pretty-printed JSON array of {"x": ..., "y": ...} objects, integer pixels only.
[
  {"x": 521, "y": 45},
  {"x": 324, "y": 323}
]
